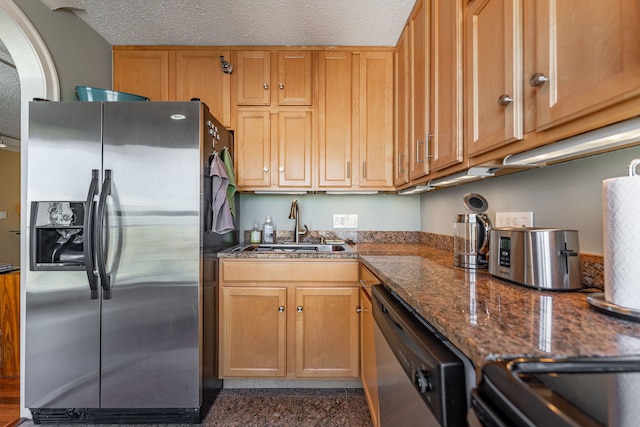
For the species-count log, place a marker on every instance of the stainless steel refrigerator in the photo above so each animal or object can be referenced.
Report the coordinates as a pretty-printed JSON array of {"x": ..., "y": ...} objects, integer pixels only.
[{"x": 114, "y": 309}]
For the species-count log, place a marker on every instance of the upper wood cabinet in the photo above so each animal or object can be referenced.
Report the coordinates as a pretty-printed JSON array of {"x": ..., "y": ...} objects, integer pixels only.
[
  {"x": 436, "y": 89},
  {"x": 273, "y": 150},
  {"x": 540, "y": 71},
  {"x": 175, "y": 74},
  {"x": 587, "y": 57},
  {"x": 403, "y": 108},
  {"x": 294, "y": 149},
  {"x": 290, "y": 81},
  {"x": 252, "y": 73},
  {"x": 419, "y": 29},
  {"x": 253, "y": 149},
  {"x": 375, "y": 168},
  {"x": 493, "y": 74},
  {"x": 446, "y": 123},
  {"x": 198, "y": 74},
  {"x": 335, "y": 118},
  {"x": 142, "y": 72},
  {"x": 295, "y": 77},
  {"x": 356, "y": 120}
]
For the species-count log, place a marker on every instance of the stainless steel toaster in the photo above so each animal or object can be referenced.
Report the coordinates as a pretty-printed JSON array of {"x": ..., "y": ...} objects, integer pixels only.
[{"x": 543, "y": 258}]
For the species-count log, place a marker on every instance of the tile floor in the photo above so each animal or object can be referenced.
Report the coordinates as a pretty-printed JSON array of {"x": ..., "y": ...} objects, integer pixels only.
[{"x": 342, "y": 407}]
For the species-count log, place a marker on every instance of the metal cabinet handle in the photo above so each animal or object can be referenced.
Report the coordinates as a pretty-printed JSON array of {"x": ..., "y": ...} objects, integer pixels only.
[
  {"x": 265, "y": 86},
  {"x": 538, "y": 79},
  {"x": 427, "y": 137},
  {"x": 281, "y": 309},
  {"x": 364, "y": 169},
  {"x": 281, "y": 85},
  {"x": 266, "y": 168},
  {"x": 418, "y": 159},
  {"x": 349, "y": 169},
  {"x": 299, "y": 309},
  {"x": 281, "y": 168},
  {"x": 504, "y": 100}
]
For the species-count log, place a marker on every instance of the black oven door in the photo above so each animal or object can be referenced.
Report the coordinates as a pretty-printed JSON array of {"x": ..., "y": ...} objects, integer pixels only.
[{"x": 567, "y": 392}]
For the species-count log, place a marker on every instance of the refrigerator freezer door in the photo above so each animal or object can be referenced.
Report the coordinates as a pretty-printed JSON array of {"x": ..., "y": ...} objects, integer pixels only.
[
  {"x": 62, "y": 321},
  {"x": 151, "y": 329}
]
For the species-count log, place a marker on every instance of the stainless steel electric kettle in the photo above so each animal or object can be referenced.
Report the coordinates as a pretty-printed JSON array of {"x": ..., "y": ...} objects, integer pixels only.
[{"x": 471, "y": 234}]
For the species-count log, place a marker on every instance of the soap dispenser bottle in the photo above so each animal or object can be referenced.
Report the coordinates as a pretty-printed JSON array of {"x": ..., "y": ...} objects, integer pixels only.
[
  {"x": 255, "y": 233},
  {"x": 267, "y": 231}
]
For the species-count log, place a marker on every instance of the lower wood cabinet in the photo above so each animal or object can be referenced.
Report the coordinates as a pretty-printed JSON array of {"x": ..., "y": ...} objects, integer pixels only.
[
  {"x": 10, "y": 324},
  {"x": 289, "y": 318},
  {"x": 368, "y": 370}
]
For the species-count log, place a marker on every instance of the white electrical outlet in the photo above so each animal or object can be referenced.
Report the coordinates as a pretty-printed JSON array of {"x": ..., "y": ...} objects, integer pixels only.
[
  {"x": 3, "y": 214},
  {"x": 514, "y": 219},
  {"x": 345, "y": 220}
]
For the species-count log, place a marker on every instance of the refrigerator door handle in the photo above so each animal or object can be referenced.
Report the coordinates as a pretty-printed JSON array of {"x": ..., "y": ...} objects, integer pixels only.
[
  {"x": 105, "y": 278},
  {"x": 89, "y": 255}
]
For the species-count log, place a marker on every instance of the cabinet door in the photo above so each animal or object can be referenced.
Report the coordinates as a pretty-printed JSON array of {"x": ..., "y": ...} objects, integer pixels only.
[
  {"x": 327, "y": 332},
  {"x": 252, "y": 77},
  {"x": 253, "y": 149},
  {"x": 335, "y": 118},
  {"x": 446, "y": 84},
  {"x": 253, "y": 332},
  {"x": 368, "y": 372},
  {"x": 590, "y": 54},
  {"x": 403, "y": 109},
  {"x": 142, "y": 72},
  {"x": 295, "y": 77},
  {"x": 376, "y": 120},
  {"x": 493, "y": 81},
  {"x": 294, "y": 149},
  {"x": 419, "y": 36},
  {"x": 199, "y": 75}
]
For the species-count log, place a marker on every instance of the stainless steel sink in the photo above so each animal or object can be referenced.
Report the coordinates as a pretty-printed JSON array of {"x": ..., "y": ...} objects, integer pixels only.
[{"x": 293, "y": 247}]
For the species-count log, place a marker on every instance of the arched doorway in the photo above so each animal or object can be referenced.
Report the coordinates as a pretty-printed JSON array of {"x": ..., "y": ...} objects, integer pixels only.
[{"x": 38, "y": 79}]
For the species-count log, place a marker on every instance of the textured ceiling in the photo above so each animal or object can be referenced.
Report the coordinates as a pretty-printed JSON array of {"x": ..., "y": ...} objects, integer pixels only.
[
  {"x": 9, "y": 101},
  {"x": 248, "y": 22}
]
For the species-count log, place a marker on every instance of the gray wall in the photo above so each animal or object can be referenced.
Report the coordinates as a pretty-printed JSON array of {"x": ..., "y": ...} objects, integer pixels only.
[
  {"x": 387, "y": 212},
  {"x": 567, "y": 195},
  {"x": 81, "y": 56}
]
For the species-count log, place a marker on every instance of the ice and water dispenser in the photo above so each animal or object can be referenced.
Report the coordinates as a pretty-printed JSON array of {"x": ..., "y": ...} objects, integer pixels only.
[{"x": 57, "y": 235}]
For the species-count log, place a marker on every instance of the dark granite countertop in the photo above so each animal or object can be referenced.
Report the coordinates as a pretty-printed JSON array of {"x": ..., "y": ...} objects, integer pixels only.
[
  {"x": 488, "y": 318},
  {"x": 485, "y": 317}
]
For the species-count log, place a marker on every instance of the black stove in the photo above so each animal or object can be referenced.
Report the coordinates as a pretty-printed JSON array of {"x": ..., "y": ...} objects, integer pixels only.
[{"x": 552, "y": 392}]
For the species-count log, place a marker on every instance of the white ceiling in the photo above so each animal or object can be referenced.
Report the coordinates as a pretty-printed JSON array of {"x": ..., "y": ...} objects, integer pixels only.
[
  {"x": 222, "y": 23},
  {"x": 247, "y": 22}
]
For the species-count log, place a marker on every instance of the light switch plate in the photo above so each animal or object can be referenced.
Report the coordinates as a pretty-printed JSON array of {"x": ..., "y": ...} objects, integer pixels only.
[
  {"x": 3, "y": 214},
  {"x": 345, "y": 220}
]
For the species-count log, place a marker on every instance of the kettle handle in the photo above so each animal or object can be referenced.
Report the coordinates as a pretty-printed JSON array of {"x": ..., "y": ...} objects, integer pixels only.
[{"x": 484, "y": 248}]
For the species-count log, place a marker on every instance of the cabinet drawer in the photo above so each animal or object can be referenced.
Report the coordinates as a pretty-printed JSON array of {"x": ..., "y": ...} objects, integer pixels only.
[{"x": 325, "y": 271}]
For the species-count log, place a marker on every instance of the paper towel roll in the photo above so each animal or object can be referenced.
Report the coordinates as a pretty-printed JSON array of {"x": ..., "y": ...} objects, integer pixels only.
[{"x": 621, "y": 224}]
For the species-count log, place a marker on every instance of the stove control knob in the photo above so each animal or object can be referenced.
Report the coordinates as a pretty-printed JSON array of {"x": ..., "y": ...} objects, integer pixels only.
[{"x": 421, "y": 380}]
